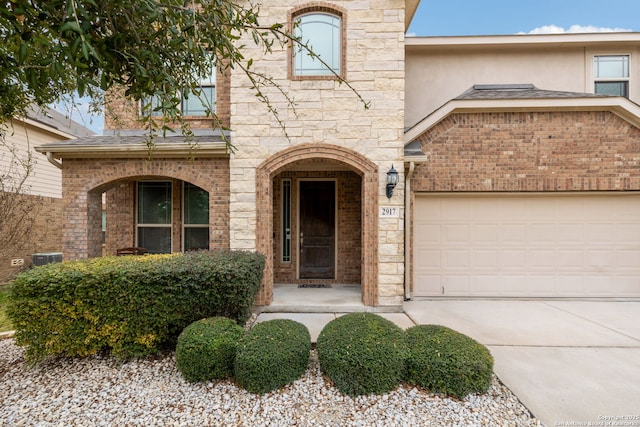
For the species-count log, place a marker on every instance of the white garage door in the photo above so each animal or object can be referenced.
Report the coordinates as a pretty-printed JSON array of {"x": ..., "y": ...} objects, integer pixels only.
[{"x": 527, "y": 246}]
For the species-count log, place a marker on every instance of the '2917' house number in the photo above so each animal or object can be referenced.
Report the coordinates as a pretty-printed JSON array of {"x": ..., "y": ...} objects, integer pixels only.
[{"x": 389, "y": 212}]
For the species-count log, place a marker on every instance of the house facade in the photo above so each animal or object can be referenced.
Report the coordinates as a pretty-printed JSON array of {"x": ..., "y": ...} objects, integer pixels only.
[
  {"x": 527, "y": 166},
  {"x": 501, "y": 146},
  {"x": 31, "y": 209}
]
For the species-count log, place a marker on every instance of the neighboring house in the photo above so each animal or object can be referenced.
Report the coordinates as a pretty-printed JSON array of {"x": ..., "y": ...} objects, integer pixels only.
[
  {"x": 41, "y": 226},
  {"x": 496, "y": 191}
]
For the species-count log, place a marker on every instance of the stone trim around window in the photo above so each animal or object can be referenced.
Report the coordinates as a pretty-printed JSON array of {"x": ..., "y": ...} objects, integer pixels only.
[{"x": 321, "y": 7}]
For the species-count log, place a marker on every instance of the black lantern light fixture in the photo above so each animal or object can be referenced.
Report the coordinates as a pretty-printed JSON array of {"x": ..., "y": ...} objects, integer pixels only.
[{"x": 392, "y": 181}]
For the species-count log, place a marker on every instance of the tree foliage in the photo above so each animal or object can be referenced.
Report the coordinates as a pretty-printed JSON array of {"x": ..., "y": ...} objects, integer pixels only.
[
  {"x": 159, "y": 48},
  {"x": 152, "y": 48}
]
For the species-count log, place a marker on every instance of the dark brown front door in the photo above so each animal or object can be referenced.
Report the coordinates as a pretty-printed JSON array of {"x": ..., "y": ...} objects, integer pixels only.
[{"x": 317, "y": 229}]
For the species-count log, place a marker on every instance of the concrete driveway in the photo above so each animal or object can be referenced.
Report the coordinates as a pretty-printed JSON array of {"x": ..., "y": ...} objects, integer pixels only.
[{"x": 570, "y": 362}]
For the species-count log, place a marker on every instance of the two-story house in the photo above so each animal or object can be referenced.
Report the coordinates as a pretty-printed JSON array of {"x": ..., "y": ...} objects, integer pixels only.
[
  {"x": 515, "y": 178},
  {"x": 31, "y": 205}
]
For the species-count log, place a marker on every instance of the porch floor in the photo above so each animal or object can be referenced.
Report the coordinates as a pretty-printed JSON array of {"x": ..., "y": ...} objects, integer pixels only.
[{"x": 337, "y": 299}]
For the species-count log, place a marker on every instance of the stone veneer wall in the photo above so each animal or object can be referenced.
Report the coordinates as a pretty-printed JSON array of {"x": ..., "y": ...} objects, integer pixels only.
[
  {"x": 84, "y": 181},
  {"x": 328, "y": 113}
]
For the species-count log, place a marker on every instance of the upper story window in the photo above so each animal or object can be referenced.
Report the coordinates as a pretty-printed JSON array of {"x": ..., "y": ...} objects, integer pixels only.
[
  {"x": 322, "y": 30},
  {"x": 191, "y": 104},
  {"x": 611, "y": 74}
]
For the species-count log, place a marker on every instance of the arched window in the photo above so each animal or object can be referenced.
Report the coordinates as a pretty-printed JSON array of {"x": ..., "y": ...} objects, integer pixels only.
[{"x": 322, "y": 31}]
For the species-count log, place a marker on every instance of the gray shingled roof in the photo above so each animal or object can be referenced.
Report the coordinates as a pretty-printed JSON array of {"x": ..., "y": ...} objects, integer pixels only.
[
  {"x": 133, "y": 140},
  {"x": 520, "y": 91},
  {"x": 56, "y": 120}
]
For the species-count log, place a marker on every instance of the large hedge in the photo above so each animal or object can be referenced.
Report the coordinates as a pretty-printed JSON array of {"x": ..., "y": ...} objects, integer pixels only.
[
  {"x": 271, "y": 355},
  {"x": 362, "y": 353},
  {"x": 131, "y": 306},
  {"x": 446, "y": 361}
]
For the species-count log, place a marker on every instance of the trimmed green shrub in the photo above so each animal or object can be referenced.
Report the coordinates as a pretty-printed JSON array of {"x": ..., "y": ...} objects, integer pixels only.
[
  {"x": 362, "y": 353},
  {"x": 271, "y": 355},
  {"x": 206, "y": 349},
  {"x": 446, "y": 361},
  {"x": 132, "y": 306}
]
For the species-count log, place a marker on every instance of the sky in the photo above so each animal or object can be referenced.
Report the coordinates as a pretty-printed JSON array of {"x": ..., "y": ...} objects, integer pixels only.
[
  {"x": 490, "y": 17},
  {"x": 497, "y": 17}
]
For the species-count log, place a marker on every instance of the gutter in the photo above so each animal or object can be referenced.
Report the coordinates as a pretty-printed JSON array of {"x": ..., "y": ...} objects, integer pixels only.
[
  {"x": 407, "y": 231},
  {"x": 53, "y": 161}
]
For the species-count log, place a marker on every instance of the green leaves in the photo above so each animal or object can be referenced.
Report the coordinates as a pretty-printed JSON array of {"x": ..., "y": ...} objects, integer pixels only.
[{"x": 132, "y": 306}]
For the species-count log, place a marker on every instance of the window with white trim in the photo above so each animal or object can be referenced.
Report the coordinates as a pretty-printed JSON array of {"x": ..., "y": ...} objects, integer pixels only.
[
  {"x": 322, "y": 33},
  {"x": 611, "y": 74}
]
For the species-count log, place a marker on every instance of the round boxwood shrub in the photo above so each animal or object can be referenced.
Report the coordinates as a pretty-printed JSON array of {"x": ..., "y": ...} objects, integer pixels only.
[
  {"x": 362, "y": 353},
  {"x": 446, "y": 361},
  {"x": 271, "y": 355},
  {"x": 206, "y": 349}
]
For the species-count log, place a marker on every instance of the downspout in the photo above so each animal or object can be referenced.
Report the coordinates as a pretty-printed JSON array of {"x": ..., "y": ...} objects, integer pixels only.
[
  {"x": 53, "y": 161},
  {"x": 407, "y": 232}
]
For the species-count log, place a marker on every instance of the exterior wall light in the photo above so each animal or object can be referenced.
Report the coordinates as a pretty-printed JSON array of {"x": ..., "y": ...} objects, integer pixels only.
[{"x": 392, "y": 181}]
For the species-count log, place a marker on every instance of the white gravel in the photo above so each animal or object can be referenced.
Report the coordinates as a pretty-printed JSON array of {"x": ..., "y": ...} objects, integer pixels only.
[{"x": 99, "y": 391}]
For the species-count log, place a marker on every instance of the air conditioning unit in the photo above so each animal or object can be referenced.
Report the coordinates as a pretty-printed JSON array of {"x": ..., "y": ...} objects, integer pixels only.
[{"x": 46, "y": 258}]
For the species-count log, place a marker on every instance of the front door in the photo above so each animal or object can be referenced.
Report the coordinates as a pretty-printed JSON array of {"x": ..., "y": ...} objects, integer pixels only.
[{"x": 317, "y": 229}]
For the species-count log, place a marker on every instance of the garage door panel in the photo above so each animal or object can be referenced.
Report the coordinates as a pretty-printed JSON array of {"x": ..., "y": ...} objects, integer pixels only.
[
  {"x": 540, "y": 259},
  {"x": 628, "y": 233},
  {"x": 570, "y": 259},
  {"x": 482, "y": 259},
  {"x": 513, "y": 259},
  {"x": 430, "y": 234},
  {"x": 628, "y": 259},
  {"x": 456, "y": 233},
  {"x": 485, "y": 233},
  {"x": 513, "y": 233},
  {"x": 570, "y": 233},
  {"x": 543, "y": 233},
  {"x": 527, "y": 245},
  {"x": 456, "y": 259},
  {"x": 457, "y": 284}
]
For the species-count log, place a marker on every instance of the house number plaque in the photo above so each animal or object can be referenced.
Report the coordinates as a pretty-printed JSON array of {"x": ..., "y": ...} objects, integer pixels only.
[{"x": 389, "y": 212}]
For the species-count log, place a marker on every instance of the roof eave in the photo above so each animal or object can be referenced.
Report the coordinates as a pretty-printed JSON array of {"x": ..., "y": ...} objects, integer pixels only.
[{"x": 111, "y": 151}]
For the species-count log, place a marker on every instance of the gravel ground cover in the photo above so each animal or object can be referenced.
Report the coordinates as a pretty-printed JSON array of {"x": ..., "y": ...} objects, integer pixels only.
[{"x": 99, "y": 391}]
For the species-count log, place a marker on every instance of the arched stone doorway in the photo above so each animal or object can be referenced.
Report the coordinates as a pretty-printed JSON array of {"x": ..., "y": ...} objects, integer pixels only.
[{"x": 327, "y": 171}]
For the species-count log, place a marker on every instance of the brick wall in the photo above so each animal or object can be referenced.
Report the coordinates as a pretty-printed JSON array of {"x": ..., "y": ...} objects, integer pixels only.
[
  {"x": 123, "y": 113},
  {"x": 45, "y": 236},
  {"x": 538, "y": 151},
  {"x": 85, "y": 180}
]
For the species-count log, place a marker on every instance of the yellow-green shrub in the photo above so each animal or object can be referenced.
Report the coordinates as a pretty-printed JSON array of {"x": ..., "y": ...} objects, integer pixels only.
[{"x": 131, "y": 306}]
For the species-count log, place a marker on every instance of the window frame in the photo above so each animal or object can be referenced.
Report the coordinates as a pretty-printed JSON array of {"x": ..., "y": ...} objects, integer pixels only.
[
  {"x": 625, "y": 80},
  {"x": 209, "y": 82},
  {"x": 325, "y": 9},
  {"x": 154, "y": 225},
  {"x": 186, "y": 225}
]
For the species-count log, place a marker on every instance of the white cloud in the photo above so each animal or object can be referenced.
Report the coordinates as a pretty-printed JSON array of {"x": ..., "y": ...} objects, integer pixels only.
[{"x": 554, "y": 29}]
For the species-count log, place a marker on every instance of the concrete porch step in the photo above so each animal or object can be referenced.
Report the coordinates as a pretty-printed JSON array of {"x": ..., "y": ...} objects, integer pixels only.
[{"x": 337, "y": 299}]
